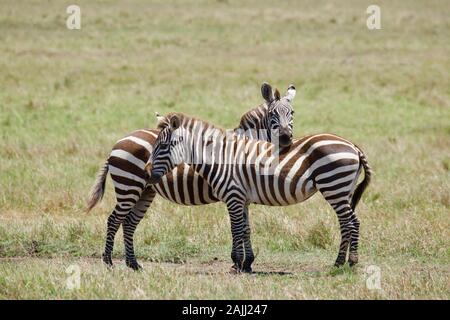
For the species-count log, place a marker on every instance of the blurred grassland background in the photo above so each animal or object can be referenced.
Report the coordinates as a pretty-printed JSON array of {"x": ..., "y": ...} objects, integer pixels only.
[{"x": 67, "y": 96}]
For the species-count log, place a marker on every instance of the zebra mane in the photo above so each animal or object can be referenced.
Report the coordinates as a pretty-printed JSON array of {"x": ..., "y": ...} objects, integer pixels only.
[
  {"x": 256, "y": 116},
  {"x": 184, "y": 119}
]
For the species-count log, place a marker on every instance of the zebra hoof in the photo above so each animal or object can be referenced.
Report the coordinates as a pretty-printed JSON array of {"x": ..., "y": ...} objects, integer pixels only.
[
  {"x": 352, "y": 260},
  {"x": 339, "y": 263},
  {"x": 107, "y": 260},
  {"x": 247, "y": 270},
  {"x": 134, "y": 265},
  {"x": 234, "y": 269}
]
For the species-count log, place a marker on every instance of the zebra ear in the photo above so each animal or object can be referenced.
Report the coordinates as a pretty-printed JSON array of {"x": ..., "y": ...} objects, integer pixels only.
[
  {"x": 159, "y": 118},
  {"x": 290, "y": 93},
  {"x": 277, "y": 94},
  {"x": 266, "y": 92},
  {"x": 174, "y": 122}
]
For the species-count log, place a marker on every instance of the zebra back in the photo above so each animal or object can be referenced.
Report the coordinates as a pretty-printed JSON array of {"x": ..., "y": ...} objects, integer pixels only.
[{"x": 267, "y": 174}]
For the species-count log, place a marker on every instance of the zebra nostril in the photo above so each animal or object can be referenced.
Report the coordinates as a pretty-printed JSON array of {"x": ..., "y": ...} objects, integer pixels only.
[
  {"x": 285, "y": 132},
  {"x": 154, "y": 178},
  {"x": 285, "y": 140}
]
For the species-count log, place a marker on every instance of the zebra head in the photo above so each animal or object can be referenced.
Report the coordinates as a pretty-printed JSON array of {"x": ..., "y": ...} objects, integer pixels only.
[
  {"x": 168, "y": 151},
  {"x": 280, "y": 114}
]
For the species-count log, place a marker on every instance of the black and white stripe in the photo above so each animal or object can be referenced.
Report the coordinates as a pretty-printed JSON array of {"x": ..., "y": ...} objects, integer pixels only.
[
  {"x": 182, "y": 185},
  {"x": 272, "y": 121},
  {"x": 241, "y": 171}
]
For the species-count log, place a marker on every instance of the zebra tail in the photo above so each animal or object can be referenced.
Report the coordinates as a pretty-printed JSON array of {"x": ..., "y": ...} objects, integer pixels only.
[
  {"x": 98, "y": 189},
  {"x": 365, "y": 183}
]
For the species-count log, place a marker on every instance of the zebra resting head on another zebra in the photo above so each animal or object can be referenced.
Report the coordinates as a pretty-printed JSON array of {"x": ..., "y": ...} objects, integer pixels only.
[
  {"x": 126, "y": 166},
  {"x": 241, "y": 171},
  {"x": 274, "y": 120}
]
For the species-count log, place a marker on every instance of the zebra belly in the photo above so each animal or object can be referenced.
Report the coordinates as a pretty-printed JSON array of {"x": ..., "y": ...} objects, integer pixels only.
[
  {"x": 278, "y": 191},
  {"x": 184, "y": 186},
  {"x": 165, "y": 193},
  {"x": 185, "y": 203}
]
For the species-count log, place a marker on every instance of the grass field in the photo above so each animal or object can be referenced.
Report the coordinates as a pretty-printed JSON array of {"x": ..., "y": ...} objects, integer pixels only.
[{"x": 66, "y": 96}]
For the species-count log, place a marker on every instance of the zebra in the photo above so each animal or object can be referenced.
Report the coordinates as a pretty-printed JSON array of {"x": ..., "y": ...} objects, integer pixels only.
[
  {"x": 242, "y": 171},
  {"x": 275, "y": 117},
  {"x": 134, "y": 195}
]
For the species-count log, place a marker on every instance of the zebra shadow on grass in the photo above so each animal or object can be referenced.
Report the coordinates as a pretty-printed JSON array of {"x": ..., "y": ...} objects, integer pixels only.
[{"x": 253, "y": 273}]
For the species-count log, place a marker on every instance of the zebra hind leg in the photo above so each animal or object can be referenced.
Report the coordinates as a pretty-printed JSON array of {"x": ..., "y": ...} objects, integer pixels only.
[
  {"x": 115, "y": 219},
  {"x": 354, "y": 238},
  {"x": 130, "y": 224},
  {"x": 341, "y": 205},
  {"x": 349, "y": 231},
  {"x": 338, "y": 193}
]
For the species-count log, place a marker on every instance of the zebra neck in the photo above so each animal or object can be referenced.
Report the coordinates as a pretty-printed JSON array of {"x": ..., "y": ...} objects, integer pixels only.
[
  {"x": 221, "y": 161},
  {"x": 212, "y": 158},
  {"x": 254, "y": 124}
]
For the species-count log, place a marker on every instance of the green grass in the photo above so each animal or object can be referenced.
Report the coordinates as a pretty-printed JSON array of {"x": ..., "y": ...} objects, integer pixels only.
[{"x": 67, "y": 96}]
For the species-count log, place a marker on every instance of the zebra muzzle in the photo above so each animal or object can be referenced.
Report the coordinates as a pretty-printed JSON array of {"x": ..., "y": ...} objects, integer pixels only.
[
  {"x": 154, "y": 178},
  {"x": 285, "y": 138}
]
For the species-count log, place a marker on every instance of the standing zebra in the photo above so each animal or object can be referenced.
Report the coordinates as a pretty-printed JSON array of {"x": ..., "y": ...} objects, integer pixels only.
[
  {"x": 241, "y": 171},
  {"x": 183, "y": 186}
]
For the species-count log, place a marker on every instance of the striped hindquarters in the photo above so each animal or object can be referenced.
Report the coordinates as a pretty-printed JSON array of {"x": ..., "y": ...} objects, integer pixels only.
[
  {"x": 322, "y": 162},
  {"x": 126, "y": 166}
]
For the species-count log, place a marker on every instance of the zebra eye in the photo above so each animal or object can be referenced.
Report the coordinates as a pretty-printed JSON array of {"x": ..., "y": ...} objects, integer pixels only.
[
  {"x": 175, "y": 142},
  {"x": 275, "y": 126},
  {"x": 164, "y": 144}
]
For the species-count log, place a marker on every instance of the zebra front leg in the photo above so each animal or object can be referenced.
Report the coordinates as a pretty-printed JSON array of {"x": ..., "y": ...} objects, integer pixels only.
[
  {"x": 115, "y": 219},
  {"x": 130, "y": 224},
  {"x": 249, "y": 256},
  {"x": 236, "y": 212}
]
